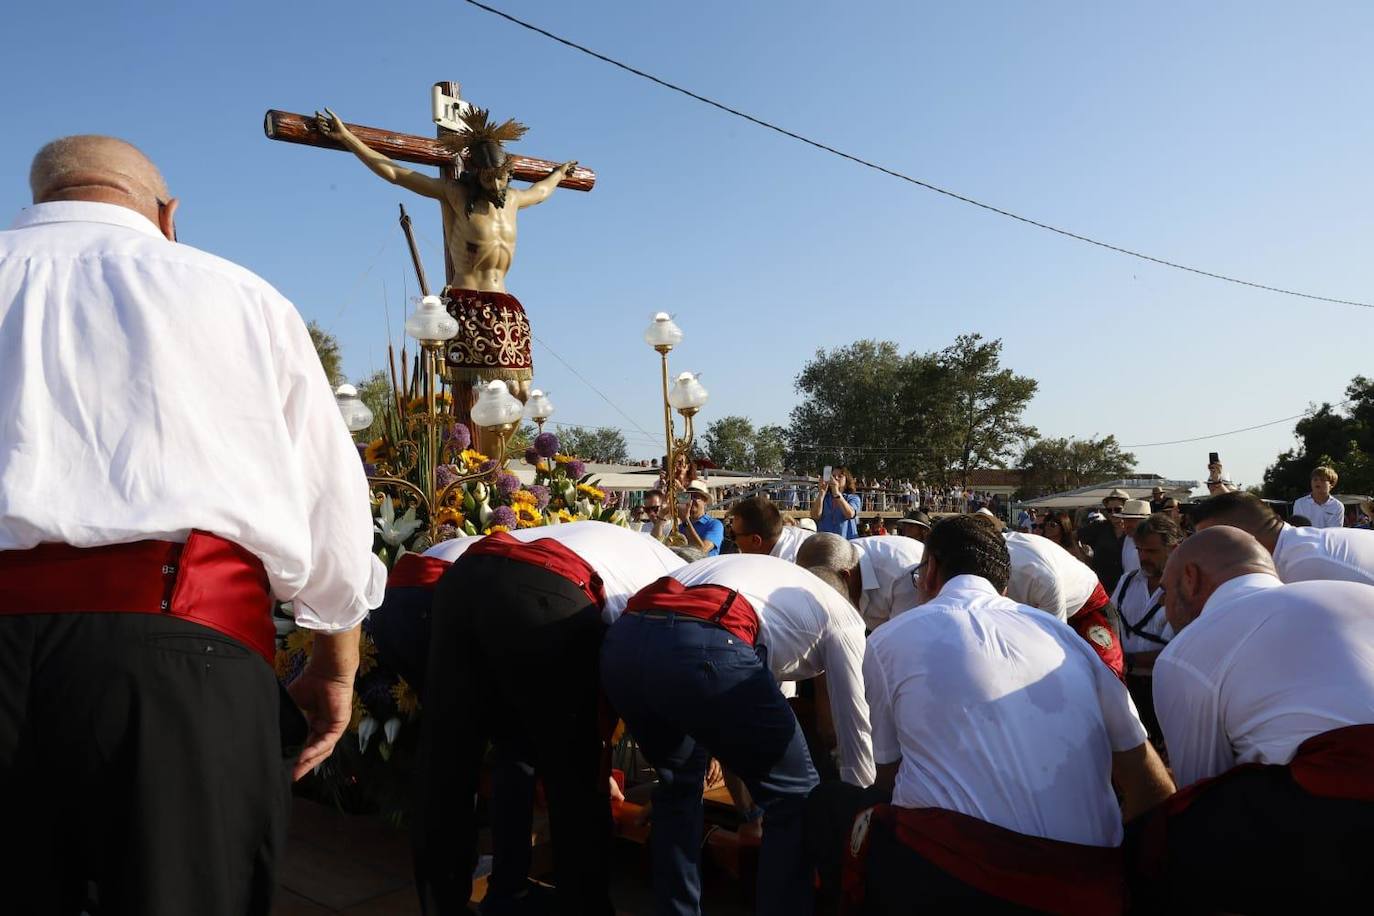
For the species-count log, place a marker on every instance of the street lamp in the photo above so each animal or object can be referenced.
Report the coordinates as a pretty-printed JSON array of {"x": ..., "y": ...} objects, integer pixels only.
[
  {"x": 356, "y": 415},
  {"x": 538, "y": 408},
  {"x": 686, "y": 397}
]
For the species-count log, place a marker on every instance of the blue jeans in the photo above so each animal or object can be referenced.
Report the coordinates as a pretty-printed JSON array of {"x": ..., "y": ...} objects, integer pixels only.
[{"x": 689, "y": 691}]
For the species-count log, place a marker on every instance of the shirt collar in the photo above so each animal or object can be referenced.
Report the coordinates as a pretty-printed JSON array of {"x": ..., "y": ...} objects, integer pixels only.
[
  {"x": 1285, "y": 539},
  {"x": 84, "y": 211},
  {"x": 970, "y": 583},
  {"x": 1239, "y": 587}
]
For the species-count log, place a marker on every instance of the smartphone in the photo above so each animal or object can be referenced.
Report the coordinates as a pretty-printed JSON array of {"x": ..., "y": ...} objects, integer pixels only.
[
  {"x": 826, "y": 474},
  {"x": 1212, "y": 458}
]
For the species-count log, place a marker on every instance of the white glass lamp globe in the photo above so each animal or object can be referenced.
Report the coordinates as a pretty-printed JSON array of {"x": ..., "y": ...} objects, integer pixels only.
[
  {"x": 663, "y": 334},
  {"x": 687, "y": 393},
  {"x": 538, "y": 408},
  {"x": 356, "y": 414},
  {"x": 496, "y": 406},
  {"x": 431, "y": 323}
]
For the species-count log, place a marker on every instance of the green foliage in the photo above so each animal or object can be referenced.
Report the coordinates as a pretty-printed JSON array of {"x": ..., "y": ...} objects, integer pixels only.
[
  {"x": 1340, "y": 436},
  {"x": 729, "y": 443},
  {"x": 926, "y": 415},
  {"x": 327, "y": 349},
  {"x": 375, "y": 392},
  {"x": 605, "y": 444},
  {"x": 1056, "y": 465},
  {"x": 770, "y": 449}
]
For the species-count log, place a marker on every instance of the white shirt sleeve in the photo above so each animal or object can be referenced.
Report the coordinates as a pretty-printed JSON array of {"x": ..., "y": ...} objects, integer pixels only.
[
  {"x": 842, "y": 651},
  {"x": 887, "y": 744},
  {"x": 1188, "y": 715},
  {"x": 345, "y": 578},
  {"x": 1124, "y": 728}
]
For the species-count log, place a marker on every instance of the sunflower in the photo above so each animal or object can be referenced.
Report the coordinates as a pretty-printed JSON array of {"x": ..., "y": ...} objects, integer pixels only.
[
  {"x": 563, "y": 515},
  {"x": 472, "y": 458},
  {"x": 523, "y": 498},
  {"x": 563, "y": 459},
  {"x": 591, "y": 492},
  {"x": 528, "y": 516},
  {"x": 497, "y": 529},
  {"x": 378, "y": 451},
  {"x": 407, "y": 700},
  {"x": 449, "y": 516}
]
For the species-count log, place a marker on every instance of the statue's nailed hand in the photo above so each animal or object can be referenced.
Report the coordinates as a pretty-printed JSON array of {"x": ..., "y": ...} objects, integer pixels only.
[
  {"x": 567, "y": 167},
  {"x": 330, "y": 124}
]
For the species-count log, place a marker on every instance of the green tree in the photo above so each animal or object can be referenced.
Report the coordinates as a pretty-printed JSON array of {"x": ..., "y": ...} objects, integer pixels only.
[
  {"x": 327, "y": 349},
  {"x": 1056, "y": 465},
  {"x": 986, "y": 403},
  {"x": 770, "y": 449},
  {"x": 375, "y": 391},
  {"x": 604, "y": 444},
  {"x": 729, "y": 443},
  {"x": 1340, "y": 436}
]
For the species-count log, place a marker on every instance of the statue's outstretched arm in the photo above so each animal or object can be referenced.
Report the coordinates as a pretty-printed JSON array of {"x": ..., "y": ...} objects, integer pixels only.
[
  {"x": 539, "y": 192},
  {"x": 331, "y": 125}
]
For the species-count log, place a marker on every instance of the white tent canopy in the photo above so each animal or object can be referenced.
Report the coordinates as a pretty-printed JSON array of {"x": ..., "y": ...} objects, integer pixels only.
[
  {"x": 1137, "y": 487},
  {"x": 633, "y": 477}
]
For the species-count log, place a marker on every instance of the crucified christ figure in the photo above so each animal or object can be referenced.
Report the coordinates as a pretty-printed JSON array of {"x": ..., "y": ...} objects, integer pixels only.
[{"x": 479, "y": 211}]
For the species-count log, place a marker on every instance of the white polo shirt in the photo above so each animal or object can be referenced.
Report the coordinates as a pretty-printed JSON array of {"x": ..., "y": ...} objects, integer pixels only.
[
  {"x": 885, "y": 566},
  {"x": 1001, "y": 714},
  {"x": 1263, "y": 668},
  {"x": 1342, "y": 554},
  {"x": 1330, "y": 514},
  {"x": 1143, "y": 610},
  {"x": 1046, "y": 576},
  {"x": 626, "y": 560},
  {"x": 789, "y": 540},
  {"x": 808, "y": 629}
]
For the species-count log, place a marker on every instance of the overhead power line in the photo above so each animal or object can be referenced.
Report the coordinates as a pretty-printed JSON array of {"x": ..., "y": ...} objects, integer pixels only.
[{"x": 1164, "y": 262}]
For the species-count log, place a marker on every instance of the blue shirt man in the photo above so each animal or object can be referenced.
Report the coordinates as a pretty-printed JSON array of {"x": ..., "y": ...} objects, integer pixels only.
[{"x": 705, "y": 533}]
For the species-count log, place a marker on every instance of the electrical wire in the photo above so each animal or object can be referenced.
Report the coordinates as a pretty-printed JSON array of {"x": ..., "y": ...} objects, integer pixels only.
[{"x": 908, "y": 178}]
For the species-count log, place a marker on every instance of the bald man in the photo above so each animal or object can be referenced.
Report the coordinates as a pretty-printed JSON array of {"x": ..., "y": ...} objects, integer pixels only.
[
  {"x": 1266, "y": 699},
  {"x": 1301, "y": 554},
  {"x": 173, "y": 462}
]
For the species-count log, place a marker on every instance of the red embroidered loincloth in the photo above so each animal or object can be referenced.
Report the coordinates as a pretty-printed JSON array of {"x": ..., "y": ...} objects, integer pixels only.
[{"x": 493, "y": 340}]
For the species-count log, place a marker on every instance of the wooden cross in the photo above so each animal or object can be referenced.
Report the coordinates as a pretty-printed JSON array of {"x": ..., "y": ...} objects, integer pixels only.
[{"x": 290, "y": 127}]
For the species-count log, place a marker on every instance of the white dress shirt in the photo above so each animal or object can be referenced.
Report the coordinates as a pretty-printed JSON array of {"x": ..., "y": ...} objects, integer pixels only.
[
  {"x": 808, "y": 629},
  {"x": 1046, "y": 576},
  {"x": 1001, "y": 714},
  {"x": 148, "y": 389},
  {"x": 1330, "y": 514},
  {"x": 885, "y": 566},
  {"x": 789, "y": 540},
  {"x": 1262, "y": 669},
  {"x": 1134, "y": 599},
  {"x": 626, "y": 560},
  {"x": 1343, "y": 554}
]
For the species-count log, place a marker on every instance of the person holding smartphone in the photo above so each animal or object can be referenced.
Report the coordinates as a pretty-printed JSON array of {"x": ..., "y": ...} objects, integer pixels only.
[{"x": 836, "y": 507}]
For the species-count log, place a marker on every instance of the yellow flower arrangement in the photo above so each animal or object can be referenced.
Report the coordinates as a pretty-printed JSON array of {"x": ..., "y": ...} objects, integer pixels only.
[
  {"x": 472, "y": 459},
  {"x": 563, "y": 515},
  {"x": 527, "y": 515},
  {"x": 378, "y": 451},
  {"x": 523, "y": 498},
  {"x": 407, "y": 700},
  {"x": 563, "y": 459},
  {"x": 449, "y": 516},
  {"x": 591, "y": 492},
  {"x": 497, "y": 529}
]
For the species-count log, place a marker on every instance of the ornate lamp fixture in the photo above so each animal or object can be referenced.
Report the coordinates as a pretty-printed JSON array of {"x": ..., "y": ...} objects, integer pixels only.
[{"x": 686, "y": 397}]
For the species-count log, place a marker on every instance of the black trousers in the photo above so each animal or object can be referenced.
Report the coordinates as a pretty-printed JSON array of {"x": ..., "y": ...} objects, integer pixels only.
[
  {"x": 1259, "y": 843},
  {"x": 899, "y": 881},
  {"x": 513, "y": 661},
  {"x": 141, "y": 753}
]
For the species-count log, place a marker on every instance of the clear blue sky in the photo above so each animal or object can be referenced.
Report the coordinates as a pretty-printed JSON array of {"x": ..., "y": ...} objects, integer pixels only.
[{"x": 1233, "y": 136}]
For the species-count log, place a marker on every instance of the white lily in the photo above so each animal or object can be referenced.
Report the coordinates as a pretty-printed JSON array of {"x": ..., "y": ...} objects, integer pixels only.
[
  {"x": 396, "y": 531},
  {"x": 366, "y": 729},
  {"x": 391, "y": 729},
  {"x": 584, "y": 507},
  {"x": 620, "y": 517}
]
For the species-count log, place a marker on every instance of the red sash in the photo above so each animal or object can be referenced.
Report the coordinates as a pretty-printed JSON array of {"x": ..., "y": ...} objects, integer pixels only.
[
  {"x": 1334, "y": 764},
  {"x": 208, "y": 580},
  {"x": 1096, "y": 628},
  {"x": 415, "y": 570},
  {"x": 716, "y": 603},
  {"x": 548, "y": 554},
  {"x": 1035, "y": 872}
]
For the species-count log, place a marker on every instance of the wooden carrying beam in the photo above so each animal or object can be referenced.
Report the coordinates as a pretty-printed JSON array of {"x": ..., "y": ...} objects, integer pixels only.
[{"x": 290, "y": 127}]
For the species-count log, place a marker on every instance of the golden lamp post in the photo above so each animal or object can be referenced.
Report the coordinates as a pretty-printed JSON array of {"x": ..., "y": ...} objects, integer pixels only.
[{"x": 687, "y": 397}]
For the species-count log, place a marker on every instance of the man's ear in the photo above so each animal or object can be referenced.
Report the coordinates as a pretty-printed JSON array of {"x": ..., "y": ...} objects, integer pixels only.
[{"x": 166, "y": 219}]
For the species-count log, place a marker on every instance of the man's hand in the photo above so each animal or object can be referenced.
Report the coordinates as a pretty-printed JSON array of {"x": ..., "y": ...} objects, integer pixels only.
[
  {"x": 324, "y": 693},
  {"x": 330, "y": 124}
]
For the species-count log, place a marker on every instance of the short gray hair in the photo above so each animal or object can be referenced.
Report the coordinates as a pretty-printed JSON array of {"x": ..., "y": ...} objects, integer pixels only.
[
  {"x": 689, "y": 554},
  {"x": 828, "y": 550},
  {"x": 830, "y": 578}
]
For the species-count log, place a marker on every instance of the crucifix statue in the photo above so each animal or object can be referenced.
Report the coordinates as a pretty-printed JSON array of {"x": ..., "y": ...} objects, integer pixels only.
[{"x": 479, "y": 210}]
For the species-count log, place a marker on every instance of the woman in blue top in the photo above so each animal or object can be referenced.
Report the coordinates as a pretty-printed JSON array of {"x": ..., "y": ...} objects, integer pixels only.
[{"x": 836, "y": 508}]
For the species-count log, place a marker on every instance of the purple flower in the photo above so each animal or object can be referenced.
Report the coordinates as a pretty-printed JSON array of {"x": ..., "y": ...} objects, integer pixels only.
[
  {"x": 459, "y": 436},
  {"x": 445, "y": 533},
  {"x": 507, "y": 484},
  {"x": 546, "y": 444},
  {"x": 576, "y": 470},
  {"x": 504, "y": 515},
  {"x": 445, "y": 474},
  {"x": 541, "y": 496},
  {"x": 486, "y": 467},
  {"x": 531, "y": 455},
  {"x": 294, "y": 667}
]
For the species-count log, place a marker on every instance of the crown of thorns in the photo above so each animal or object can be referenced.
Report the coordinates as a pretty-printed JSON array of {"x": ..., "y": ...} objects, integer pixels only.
[{"x": 479, "y": 146}]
